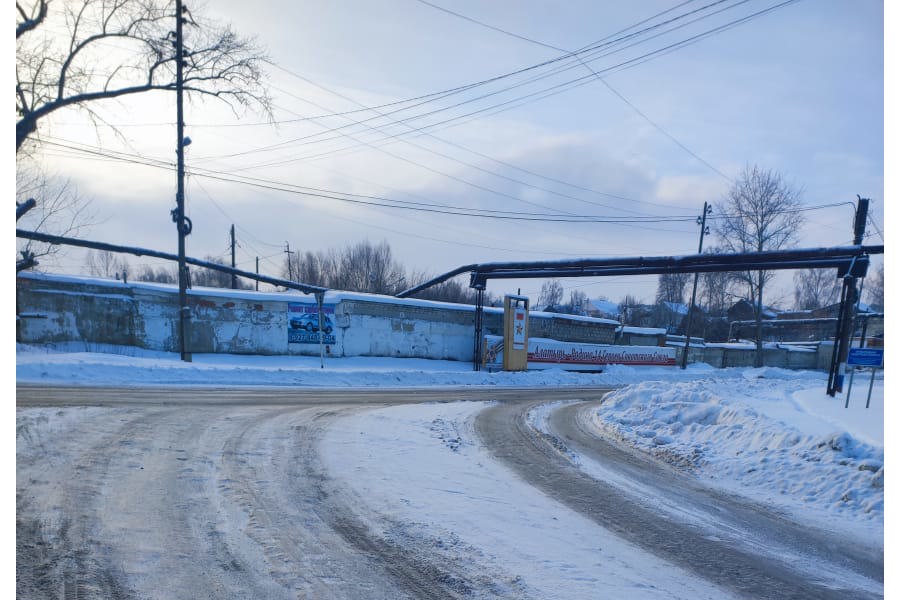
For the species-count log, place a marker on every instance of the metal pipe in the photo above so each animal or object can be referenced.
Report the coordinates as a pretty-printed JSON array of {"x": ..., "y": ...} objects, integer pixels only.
[{"x": 66, "y": 241}]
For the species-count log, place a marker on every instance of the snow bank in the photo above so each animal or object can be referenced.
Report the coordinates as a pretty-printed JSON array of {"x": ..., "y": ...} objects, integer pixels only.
[
  {"x": 130, "y": 366},
  {"x": 750, "y": 435}
]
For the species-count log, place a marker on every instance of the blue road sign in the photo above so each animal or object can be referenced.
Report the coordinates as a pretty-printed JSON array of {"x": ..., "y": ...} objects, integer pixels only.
[{"x": 866, "y": 357}]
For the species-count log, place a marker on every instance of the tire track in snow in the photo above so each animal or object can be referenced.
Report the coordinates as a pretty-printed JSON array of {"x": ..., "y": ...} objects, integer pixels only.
[
  {"x": 216, "y": 497},
  {"x": 503, "y": 428}
]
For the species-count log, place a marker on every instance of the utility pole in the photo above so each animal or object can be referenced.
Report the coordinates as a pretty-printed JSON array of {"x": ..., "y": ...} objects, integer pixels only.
[
  {"x": 182, "y": 223},
  {"x": 701, "y": 221},
  {"x": 849, "y": 300},
  {"x": 257, "y": 273},
  {"x": 233, "y": 264},
  {"x": 287, "y": 250}
]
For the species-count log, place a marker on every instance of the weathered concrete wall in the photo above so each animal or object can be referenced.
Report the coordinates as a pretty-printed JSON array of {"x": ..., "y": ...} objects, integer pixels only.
[
  {"x": 65, "y": 309},
  {"x": 78, "y": 309},
  {"x": 236, "y": 326},
  {"x": 580, "y": 330},
  {"x": 91, "y": 313},
  {"x": 641, "y": 339},
  {"x": 401, "y": 329},
  {"x": 724, "y": 355}
]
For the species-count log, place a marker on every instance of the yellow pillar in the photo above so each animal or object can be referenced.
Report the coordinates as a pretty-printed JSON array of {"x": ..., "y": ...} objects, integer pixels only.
[{"x": 515, "y": 333}]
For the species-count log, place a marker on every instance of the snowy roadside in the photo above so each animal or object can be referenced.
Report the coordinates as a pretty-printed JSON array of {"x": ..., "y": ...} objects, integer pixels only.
[
  {"x": 71, "y": 364},
  {"x": 770, "y": 434}
]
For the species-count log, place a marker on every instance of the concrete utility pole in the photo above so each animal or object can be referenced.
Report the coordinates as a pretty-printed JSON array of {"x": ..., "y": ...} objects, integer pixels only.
[
  {"x": 701, "y": 221},
  {"x": 182, "y": 223}
]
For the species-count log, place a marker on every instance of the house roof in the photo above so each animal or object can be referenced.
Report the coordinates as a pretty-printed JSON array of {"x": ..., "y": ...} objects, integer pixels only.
[{"x": 604, "y": 306}]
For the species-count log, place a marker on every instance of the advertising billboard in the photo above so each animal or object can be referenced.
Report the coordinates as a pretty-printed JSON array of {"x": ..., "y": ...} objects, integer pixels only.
[{"x": 303, "y": 323}]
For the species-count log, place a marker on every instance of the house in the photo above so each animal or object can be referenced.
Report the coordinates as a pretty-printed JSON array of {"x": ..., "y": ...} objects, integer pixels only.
[
  {"x": 670, "y": 316},
  {"x": 743, "y": 310},
  {"x": 603, "y": 309},
  {"x": 794, "y": 326}
]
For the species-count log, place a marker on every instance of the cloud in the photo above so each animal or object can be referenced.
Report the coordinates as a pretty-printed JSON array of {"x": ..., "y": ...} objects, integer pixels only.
[{"x": 690, "y": 191}]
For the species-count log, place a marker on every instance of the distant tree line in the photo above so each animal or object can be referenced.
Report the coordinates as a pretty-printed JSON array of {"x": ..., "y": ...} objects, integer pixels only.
[
  {"x": 103, "y": 263},
  {"x": 369, "y": 267}
]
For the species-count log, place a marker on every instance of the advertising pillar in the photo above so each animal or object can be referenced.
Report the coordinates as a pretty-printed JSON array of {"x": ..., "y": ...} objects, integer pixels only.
[{"x": 515, "y": 333}]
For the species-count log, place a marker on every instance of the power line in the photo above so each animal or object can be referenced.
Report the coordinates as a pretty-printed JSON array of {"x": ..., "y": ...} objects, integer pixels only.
[
  {"x": 467, "y": 164},
  {"x": 540, "y": 94},
  {"x": 589, "y": 68},
  {"x": 875, "y": 225},
  {"x": 591, "y": 48},
  {"x": 383, "y": 202},
  {"x": 378, "y": 200}
]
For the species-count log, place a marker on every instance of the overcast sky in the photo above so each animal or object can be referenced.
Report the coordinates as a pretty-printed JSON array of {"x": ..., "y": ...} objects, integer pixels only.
[{"x": 799, "y": 90}]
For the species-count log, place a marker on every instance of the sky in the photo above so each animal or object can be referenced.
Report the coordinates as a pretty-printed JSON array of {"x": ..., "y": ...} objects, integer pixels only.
[{"x": 799, "y": 90}]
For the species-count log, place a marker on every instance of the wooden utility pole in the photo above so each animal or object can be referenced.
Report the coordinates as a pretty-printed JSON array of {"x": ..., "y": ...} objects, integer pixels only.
[
  {"x": 701, "y": 221},
  {"x": 287, "y": 250},
  {"x": 847, "y": 311},
  {"x": 257, "y": 273},
  {"x": 182, "y": 223}
]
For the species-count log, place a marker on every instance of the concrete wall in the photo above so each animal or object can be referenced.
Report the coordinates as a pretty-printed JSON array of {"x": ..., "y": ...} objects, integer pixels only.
[
  {"x": 145, "y": 315},
  {"x": 78, "y": 309},
  {"x": 733, "y": 355}
]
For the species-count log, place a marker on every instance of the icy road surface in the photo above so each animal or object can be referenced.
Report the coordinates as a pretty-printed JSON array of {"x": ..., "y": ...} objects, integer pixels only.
[{"x": 206, "y": 493}]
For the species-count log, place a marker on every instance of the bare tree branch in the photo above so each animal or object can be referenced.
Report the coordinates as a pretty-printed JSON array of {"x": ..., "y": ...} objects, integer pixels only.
[
  {"x": 59, "y": 209},
  {"x": 220, "y": 63},
  {"x": 29, "y": 22},
  {"x": 760, "y": 214}
]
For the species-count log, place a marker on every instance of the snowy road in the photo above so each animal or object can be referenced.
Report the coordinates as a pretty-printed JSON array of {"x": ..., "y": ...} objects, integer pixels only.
[
  {"x": 206, "y": 493},
  {"x": 740, "y": 546}
]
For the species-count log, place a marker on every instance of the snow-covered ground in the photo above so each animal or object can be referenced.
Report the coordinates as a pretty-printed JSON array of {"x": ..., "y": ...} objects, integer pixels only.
[{"x": 769, "y": 434}]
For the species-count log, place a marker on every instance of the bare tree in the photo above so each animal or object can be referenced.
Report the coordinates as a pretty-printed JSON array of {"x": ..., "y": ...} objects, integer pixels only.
[
  {"x": 578, "y": 303},
  {"x": 670, "y": 287},
  {"x": 875, "y": 285},
  {"x": 452, "y": 290},
  {"x": 715, "y": 289},
  {"x": 815, "y": 288},
  {"x": 359, "y": 267},
  {"x": 366, "y": 267},
  {"x": 76, "y": 68},
  {"x": 103, "y": 263},
  {"x": 551, "y": 294},
  {"x": 159, "y": 275},
  {"x": 760, "y": 213},
  {"x": 203, "y": 277},
  {"x": 59, "y": 209}
]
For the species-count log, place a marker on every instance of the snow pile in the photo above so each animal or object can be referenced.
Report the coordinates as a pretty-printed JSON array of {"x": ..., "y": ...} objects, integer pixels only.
[{"x": 750, "y": 435}]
